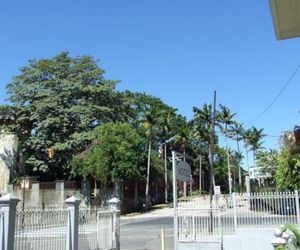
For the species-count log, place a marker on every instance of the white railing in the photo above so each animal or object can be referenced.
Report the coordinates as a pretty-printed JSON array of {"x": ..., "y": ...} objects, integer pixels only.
[
  {"x": 199, "y": 224},
  {"x": 96, "y": 229},
  {"x": 104, "y": 227},
  {"x": 70, "y": 228},
  {"x": 41, "y": 229},
  {"x": 267, "y": 209},
  {"x": 198, "y": 220}
]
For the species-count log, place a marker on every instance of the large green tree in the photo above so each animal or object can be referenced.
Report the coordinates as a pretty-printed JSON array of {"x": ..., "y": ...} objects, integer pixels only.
[
  {"x": 288, "y": 171},
  {"x": 59, "y": 102},
  {"x": 117, "y": 153}
]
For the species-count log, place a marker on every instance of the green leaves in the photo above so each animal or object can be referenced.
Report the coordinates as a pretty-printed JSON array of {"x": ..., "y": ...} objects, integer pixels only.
[
  {"x": 59, "y": 101},
  {"x": 117, "y": 153},
  {"x": 288, "y": 171}
]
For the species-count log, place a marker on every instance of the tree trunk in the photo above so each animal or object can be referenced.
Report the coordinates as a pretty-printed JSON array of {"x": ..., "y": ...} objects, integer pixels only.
[
  {"x": 184, "y": 183},
  {"x": 95, "y": 183},
  {"x": 147, "y": 200},
  {"x": 239, "y": 165},
  {"x": 247, "y": 157},
  {"x": 136, "y": 200},
  {"x": 254, "y": 157},
  {"x": 200, "y": 176},
  {"x": 228, "y": 163},
  {"x": 166, "y": 174}
]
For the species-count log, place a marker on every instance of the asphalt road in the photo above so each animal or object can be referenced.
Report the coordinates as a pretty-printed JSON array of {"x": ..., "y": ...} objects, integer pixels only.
[{"x": 144, "y": 234}]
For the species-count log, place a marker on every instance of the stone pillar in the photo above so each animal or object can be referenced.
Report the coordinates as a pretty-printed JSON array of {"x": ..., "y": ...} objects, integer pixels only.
[
  {"x": 73, "y": 218},
  {"x": 60, "y": 191},
  {"x": 234, "y": 212},
  {"x": 8, "y": 204},
  {"x": 8, "y": 159},
  {"x": 114, "y": 204},
  {"x": 35, "y": 194}
]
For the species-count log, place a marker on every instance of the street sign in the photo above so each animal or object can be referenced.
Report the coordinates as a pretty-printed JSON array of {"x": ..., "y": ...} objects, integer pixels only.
[{"x": 183, "y": 171}]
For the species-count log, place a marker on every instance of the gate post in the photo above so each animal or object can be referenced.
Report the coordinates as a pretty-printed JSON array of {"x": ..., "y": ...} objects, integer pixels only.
[
  {"x": 297, "y": 207},
  {"x": 73, "y": 218},
  {"x": 8, "y": 204},
  {"x": 234, "y": 212},
  {"x": 114, "y": 204}
]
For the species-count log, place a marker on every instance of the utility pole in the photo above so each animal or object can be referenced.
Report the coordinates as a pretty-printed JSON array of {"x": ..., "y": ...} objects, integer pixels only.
[
  {"x": 211, "y": 161},
  {"x": 166, "y": 174},
  {"x": 174, "y": 197}
]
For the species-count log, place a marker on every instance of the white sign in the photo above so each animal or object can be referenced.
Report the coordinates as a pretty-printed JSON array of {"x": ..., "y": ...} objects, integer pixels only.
[
  {"x": 217, "y": 190},
  {"x": 183, "y": 171},
  {"x": 258, "y": 173}
]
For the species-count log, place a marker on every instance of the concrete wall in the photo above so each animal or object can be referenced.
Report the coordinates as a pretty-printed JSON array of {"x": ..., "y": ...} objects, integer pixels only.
[
  {"x": 244, "y": 239},
  {"x": 200, "y": 246},
  {"x": 8, "y": 154},
  {"x": 36, "y": 197},
  {"x": 250, "y": 239}
]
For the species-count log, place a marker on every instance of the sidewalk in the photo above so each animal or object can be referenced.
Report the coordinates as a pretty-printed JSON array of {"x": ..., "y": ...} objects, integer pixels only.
[{"x": 153, "y": 213}]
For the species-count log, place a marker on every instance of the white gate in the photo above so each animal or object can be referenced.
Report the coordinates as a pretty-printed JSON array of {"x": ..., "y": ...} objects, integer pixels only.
[{"x": 200, "y": 221}]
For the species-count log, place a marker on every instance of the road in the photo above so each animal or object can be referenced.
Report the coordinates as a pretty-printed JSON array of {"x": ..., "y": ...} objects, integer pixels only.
[{"x": 144, "y": 233}]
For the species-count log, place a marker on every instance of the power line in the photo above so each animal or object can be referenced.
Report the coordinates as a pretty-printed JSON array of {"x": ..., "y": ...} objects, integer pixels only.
[{"x": 277, "y": 96}]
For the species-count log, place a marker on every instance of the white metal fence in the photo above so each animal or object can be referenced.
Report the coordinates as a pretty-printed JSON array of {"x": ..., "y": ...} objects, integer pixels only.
[
  {"x": 96, "y": 229},
  {"x": 267, "y": 209},
  {"x": 202, "y": 224},
  {"x": 41, "y": 229},
  {"x": 200, "y": 221},
  {"x": 69, "y": 228}
]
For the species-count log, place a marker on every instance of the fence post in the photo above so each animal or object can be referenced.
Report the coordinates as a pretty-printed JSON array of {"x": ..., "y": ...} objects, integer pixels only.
[
  {"x": 8, "y": 204},
  {"x": 73, "y": 217},
  {"x": 234, "y": 212},
  {"x": 297, "y": 207},
  {"x": 114, "y": 204}
]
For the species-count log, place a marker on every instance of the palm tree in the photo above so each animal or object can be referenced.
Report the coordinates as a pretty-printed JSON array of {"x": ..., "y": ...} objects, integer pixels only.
[
  {"x": 165, "y": 125},
  {"x": 236, "y": 158},
  {"x": 150, "y": 123},
  {"x": 154, "y": 119},
  {"x": 236, "y": 132},
  {"x": 247, "y": 138},
  {"x": 253, "y": 139},
  {"x": 204, "y": 122},
  {"x": 226, "y": 118},
  {"x": 182, "y": 138}
]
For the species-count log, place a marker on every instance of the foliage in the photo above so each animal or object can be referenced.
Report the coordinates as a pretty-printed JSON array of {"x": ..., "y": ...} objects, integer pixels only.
[
  {"x": 116, "y": 154},
  {"x": 296, "y": 235},
  {"x": 59, "y": 102},
  {"x": 253, "y": 137},
  {"x": 288, "y": 171},
  {"x": 7, "y": 116},
  {"x": 267, "y": 161}
]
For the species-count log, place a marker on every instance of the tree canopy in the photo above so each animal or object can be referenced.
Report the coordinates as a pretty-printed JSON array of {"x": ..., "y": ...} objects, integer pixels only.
[
  {"x": 67, "y": 105},
  {"x": 117, "y": 153},
  {"x": 59, "y": 102}
]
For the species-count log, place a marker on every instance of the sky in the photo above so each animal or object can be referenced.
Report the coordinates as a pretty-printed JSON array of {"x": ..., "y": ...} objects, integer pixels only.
[{"x": 179, "y": 50}]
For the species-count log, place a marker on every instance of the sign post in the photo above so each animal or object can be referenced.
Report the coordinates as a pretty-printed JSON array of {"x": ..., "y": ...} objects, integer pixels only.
[
  {"x": 174, "y": 198},
  {"x": 181, "y": 172}
]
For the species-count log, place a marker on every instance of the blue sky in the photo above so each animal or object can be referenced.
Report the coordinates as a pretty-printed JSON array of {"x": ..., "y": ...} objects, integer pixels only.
[{"x": 180, "y": 51}]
